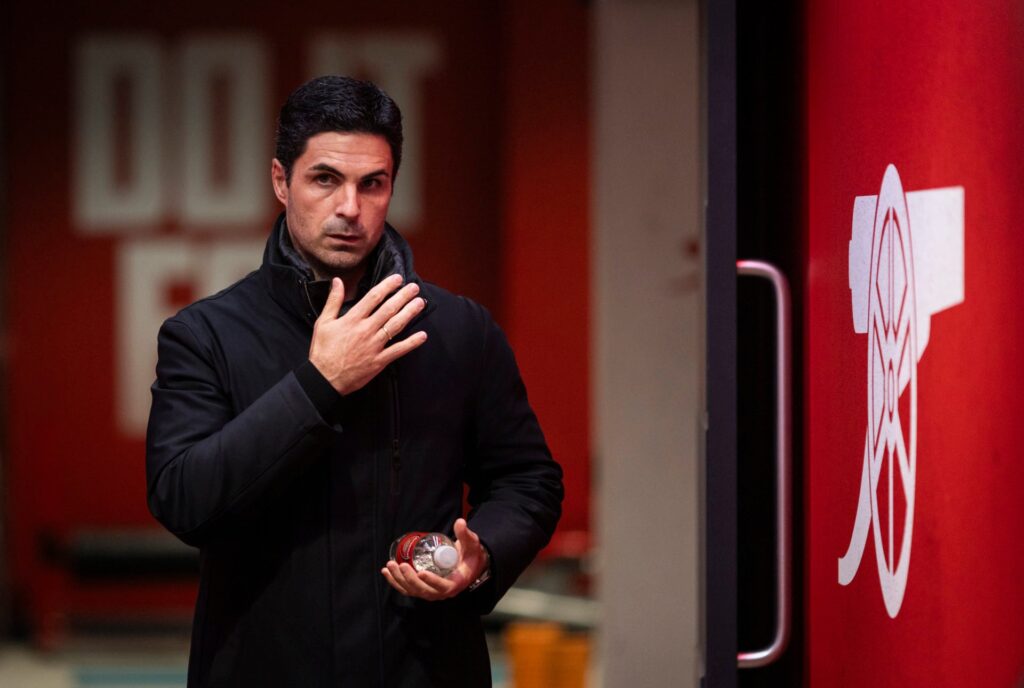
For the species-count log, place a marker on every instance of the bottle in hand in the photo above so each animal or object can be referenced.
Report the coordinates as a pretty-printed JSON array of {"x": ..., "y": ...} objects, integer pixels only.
[{"x": 432, "y": 552}]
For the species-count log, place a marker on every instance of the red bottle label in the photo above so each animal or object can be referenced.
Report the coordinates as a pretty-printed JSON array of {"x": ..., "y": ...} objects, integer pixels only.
[{"x": 406, "y": 547}]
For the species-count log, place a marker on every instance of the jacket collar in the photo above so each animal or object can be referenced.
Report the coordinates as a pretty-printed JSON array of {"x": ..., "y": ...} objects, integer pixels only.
[{"x": 291, "y": 283}]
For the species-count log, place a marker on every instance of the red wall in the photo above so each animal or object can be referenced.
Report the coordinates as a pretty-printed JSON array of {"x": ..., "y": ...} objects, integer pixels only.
[
  {"x": 935, "y": 90},
  {"x": 545, "y": 247},
  {"x": 504, "y": 221}
]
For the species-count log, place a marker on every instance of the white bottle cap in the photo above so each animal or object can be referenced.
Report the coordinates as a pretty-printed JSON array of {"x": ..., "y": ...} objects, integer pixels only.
[{"x": 446, "y": 557}]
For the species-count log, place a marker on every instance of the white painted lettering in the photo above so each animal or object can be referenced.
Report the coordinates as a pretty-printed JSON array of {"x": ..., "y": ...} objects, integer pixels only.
[
  {"x": 155, "y": 279},
  {"x": 104, "y": 200},
  {"x": 234, "y": 68},
  {"x": 397, "y": 63}
]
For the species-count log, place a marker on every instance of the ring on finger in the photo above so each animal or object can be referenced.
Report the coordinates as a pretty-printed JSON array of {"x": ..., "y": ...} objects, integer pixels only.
[{"x": 386, "y": 333}]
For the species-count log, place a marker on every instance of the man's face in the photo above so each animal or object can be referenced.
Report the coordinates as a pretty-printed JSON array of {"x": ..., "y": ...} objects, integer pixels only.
[{"x": 337, "y": 201}]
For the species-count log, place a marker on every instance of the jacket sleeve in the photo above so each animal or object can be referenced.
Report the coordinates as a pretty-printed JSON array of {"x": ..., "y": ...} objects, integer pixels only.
[
  {"x": 516, "y": 490},
  {"x": 206, "y": 467}
]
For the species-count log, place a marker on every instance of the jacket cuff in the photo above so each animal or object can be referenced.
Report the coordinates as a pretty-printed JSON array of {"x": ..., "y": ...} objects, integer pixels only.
[{"x": 324, "y": 397}]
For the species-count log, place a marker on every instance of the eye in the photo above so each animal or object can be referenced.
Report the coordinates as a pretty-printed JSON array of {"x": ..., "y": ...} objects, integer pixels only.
[
  {"x": 323, "y": 179},
  {"x": 372, "y": 183}
]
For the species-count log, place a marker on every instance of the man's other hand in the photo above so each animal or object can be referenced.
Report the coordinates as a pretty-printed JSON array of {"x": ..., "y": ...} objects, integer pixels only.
[
  {"x": 473, "y": 561},
  {"x": 349, "y": 351}
]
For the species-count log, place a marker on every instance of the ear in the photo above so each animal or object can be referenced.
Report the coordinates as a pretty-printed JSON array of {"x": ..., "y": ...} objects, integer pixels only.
[{"x": 280, "y": 181}]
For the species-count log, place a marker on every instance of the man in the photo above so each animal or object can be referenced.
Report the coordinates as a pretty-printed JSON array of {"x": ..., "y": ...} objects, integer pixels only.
[{"x": 331, "y": 401}]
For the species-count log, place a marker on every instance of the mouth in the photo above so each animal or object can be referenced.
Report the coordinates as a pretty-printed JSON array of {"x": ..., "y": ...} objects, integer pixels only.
[{"x": 344, "y": 238}]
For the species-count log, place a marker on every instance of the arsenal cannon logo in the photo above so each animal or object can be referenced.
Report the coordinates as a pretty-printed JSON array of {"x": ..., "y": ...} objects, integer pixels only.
[{"x": 906, "y": 263}]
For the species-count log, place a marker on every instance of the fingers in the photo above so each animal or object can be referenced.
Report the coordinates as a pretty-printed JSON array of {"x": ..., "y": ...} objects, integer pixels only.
[
  {"x": 399, "y": 349},
  {"x": 335, "y": 299},
  {"x": 387, "y": 318},
  {"x": 423, "y": 584},
  {"x": 432, "y": 584},
  {"x": 398, "y": 310},
  {"x": 392, "y": 581},
  {"x": 403, "y": 317},
  {"x": 368, "y": 304},
  {"x": 397, "y": 577},
  {"x": 394, "y": 326}
]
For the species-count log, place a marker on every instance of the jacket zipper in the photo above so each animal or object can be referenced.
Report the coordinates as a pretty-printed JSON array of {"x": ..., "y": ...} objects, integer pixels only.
[
  {"x": 395, "y": 468},
  {"x": 312, "y": 310},
  {"x": 377, "y": 592},
  {"x": 396, "y": 419}
]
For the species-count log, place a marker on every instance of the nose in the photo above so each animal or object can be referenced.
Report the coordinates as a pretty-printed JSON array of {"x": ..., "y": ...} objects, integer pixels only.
[{"x": 347, "y": 202}]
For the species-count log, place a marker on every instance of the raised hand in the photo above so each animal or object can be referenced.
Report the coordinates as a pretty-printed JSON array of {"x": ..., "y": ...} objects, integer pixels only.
[{"x": 351, "y": 350}]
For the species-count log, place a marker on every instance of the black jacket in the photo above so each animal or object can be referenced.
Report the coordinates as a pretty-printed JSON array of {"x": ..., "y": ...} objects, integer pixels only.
[{"x": 293, "y": 494}]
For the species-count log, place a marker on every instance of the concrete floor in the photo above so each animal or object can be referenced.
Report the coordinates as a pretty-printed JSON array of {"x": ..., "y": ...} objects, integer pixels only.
[
  {"x": 102, "y": 664},
  {"x": 22, "y": 667}
]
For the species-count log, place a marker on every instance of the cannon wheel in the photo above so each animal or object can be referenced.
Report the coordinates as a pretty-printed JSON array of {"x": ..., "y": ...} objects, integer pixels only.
[{"x": 892, "y": 372}]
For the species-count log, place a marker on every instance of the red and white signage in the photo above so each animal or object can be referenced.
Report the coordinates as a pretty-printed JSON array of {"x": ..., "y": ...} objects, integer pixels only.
[
  {"x": 913, "y": 315},
  {"x": 906, "y": 264}
]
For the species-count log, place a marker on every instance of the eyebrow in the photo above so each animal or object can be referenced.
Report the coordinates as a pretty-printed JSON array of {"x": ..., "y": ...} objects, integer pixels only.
[{"x": 324, "y": 167}]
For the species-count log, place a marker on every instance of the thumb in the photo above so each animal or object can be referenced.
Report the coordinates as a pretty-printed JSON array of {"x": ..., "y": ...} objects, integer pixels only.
[
  {"x": 464, "y": 535},
  {"x": 334, "y": 300},
  {"x": 460, "y": 528}
]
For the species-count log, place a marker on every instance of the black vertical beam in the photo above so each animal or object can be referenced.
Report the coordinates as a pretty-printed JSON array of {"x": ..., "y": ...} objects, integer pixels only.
[
  {"x": 6, "y": 602},
  {"x": 770, "y": 225},
  {"x": 719, "y": 502}
]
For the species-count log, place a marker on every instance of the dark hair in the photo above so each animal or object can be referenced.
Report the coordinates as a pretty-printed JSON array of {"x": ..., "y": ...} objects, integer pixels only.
[{"x": 336, "y": 103}]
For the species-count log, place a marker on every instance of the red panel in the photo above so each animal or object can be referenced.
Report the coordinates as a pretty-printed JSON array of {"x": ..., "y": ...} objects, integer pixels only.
[
  {"x": 545, "y": 232},
  {"x": 70, "y": 465},
  {"x": 936, "y": 91}
]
